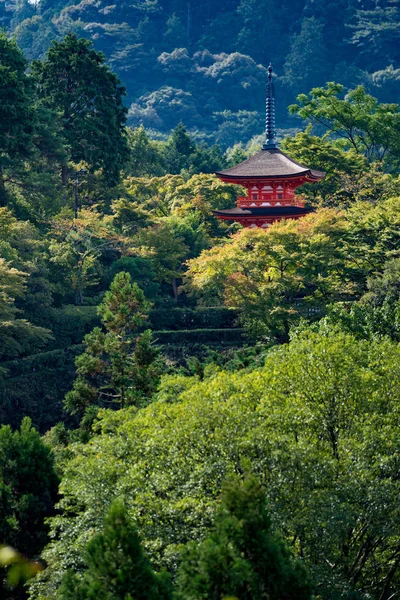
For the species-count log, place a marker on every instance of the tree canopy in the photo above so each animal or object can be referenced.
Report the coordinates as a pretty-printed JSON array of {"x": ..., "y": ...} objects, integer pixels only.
[
  {"x": 75, "y": 81},
  {"x": 317, "y": 423},
  {"x": 191, "y": 62},
  {"x": 218, "y": 405}
]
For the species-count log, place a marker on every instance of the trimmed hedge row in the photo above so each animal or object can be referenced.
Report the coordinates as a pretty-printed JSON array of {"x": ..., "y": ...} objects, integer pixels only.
[
  {"x": 69, "y": 324},
  {"x": 218, "y": 317},
  {"x": 35, "y": 386},
  {"x": 200, "y": 336}
]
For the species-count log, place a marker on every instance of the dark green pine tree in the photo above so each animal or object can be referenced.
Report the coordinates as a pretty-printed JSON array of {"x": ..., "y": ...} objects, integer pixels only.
[
  {"x": 120, "y": 364},
  {"x": 181, "y": 140},
  {"x": 29, "y": 484},
  {"x": 242, "y": 557},
  {"x": 117, "y": 568},
  {"x": 145, "y": 158},
  {"x": 17, "y": 113},
  {"x": 178, "y": 149},
  {"x": 75, "y": 81},
  {"x": 28, "y": 492}
]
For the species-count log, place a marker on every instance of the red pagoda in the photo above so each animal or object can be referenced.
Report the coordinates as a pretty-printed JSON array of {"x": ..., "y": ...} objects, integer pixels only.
[{"x": 270, "y": 178}]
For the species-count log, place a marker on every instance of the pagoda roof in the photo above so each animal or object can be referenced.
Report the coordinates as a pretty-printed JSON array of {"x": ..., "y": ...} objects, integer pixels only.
[
  {"x": 265, "y": 211},
  {"x": 269, "y": 163}
]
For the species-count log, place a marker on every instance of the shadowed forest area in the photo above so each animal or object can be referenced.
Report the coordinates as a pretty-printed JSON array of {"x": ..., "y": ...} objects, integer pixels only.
[
  {"x": 190, "y": 409},
  {"x": 204, "y": 63}
]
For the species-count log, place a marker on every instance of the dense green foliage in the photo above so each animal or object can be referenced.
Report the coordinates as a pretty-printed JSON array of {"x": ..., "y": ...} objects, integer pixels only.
[
  {"x": 363, "y": 124},
  {"x": 317, "y": 423},
  {"x": 17, "y": 112},
  {"x": 28, "y": 491},
  {"x": 299, "y": 268},
  {"x": 74, "y": 82},
  {"x": 242, "y": 557},
  {"x": 28, "y": 487},
  {"x": 116, "y": 566},
  {"x": 229, "y": 383},
  {"x": 203, "y": 63}
]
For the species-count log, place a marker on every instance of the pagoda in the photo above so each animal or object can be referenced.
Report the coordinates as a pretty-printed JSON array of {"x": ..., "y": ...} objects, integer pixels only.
[{"x": 270, "y": 178}]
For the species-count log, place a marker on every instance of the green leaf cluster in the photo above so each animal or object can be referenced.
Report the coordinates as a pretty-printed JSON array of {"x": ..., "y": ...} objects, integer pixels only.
[
  {"x": 119, "y": 366},
  {"x": 116, "y": 568},
  {"x": 28, "y": 491},
  {"x": 317, "y": 424}
]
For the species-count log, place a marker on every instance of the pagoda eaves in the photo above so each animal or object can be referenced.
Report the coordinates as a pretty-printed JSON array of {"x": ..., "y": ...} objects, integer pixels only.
[
  {"x": 260, "y": 217},
  {"x": 269, "y": 164},
  {"x": 270, "y": 178}
]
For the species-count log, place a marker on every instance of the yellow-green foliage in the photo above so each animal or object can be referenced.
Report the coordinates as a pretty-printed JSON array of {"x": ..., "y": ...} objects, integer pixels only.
[{"x": 318, "y": 424}]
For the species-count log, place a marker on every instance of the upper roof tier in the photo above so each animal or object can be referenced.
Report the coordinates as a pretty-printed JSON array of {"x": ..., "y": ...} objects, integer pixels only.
[{"x": 270, "y": 163}]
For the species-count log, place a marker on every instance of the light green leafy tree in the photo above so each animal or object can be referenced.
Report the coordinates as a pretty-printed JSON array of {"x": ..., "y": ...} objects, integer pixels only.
[
  {"x": 295, "y": 269},
  {"x": 273, "y": 278},
  {"x": 358, "y": 119},
  {"x": 318, "y": 424},
  {"x": 323, "y": 154},
  {"x": 377, "y": 313}
]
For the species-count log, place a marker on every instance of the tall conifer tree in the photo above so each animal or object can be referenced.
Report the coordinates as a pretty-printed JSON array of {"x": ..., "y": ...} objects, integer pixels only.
[
  {"x": 17, "y": 114},
  {"x": 242, "y": 557},
  {"x": 117, "y": 568},
  {"x": 75, "y": 81},
  {"x": 119, "y": 366}
]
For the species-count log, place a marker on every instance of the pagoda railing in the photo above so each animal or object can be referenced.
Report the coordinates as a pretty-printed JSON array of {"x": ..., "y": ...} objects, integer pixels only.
[{"x": 243, "y": 201}]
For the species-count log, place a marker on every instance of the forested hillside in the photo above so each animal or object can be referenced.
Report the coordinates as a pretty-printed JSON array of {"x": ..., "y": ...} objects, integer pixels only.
[
  {"x": 203, "y": 62},
  {"x": 190, "y": 409}
]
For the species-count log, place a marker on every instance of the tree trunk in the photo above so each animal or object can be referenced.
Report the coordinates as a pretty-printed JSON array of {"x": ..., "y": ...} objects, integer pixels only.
[
  {"x": 333, "y": 436},
  {"x": 175, "y": 289},
  {"x": 78, "y": 296},
  {"x": 64, "y": 174},
  {"x": 389, "y": 578},
  {"x": 3, "y": 194}
]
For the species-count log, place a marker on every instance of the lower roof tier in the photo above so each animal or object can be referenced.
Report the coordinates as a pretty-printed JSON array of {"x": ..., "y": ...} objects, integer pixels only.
[{"x": 285, "y": 212}]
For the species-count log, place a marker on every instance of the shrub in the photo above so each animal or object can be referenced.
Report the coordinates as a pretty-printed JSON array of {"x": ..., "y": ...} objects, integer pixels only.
[{"x": 218, "y": 317}]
